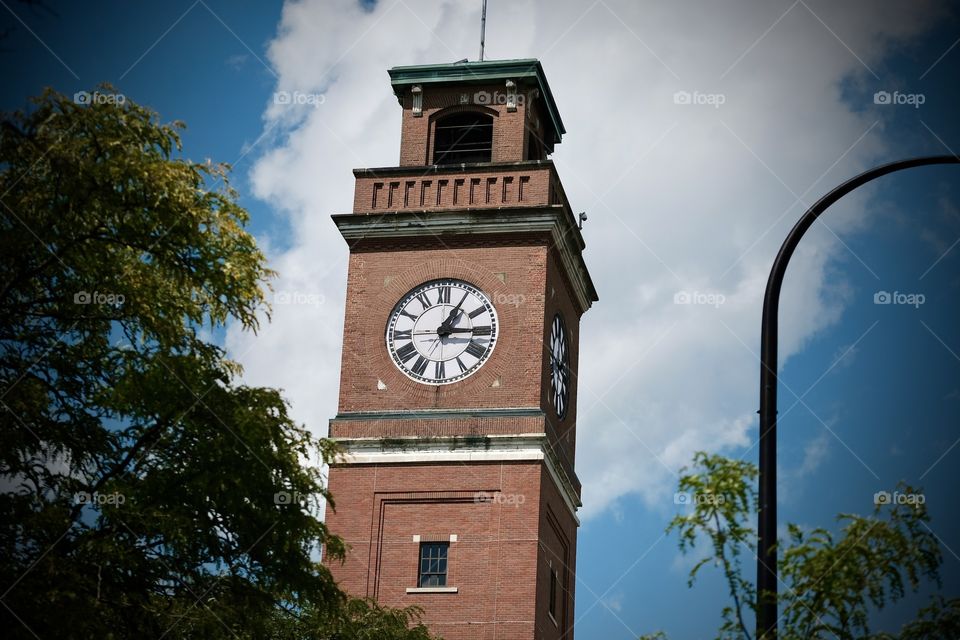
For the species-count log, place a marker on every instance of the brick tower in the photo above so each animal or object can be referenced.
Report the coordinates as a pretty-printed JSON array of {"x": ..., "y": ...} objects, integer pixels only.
[{"x": 458, "y": 392}]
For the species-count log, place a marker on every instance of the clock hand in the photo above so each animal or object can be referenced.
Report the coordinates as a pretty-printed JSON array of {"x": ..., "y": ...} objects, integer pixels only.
[
  {"x": 444, "y": 327},
  {"x": 445, "y": 333}
]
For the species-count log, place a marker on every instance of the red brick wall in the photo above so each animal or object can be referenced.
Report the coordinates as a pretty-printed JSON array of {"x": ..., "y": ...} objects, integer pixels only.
[
  {"x": 509, "y": 128},
  {"x": 431, "y": 428},
  {"x": 452, "y": 188},
  {"x": 495, "y": 562},
  {"x": 507, "y": 271},
  {"x": 505, "y": 548},
  {"x": 557, "y": 551},
  {"x": 559, "y": 298}
]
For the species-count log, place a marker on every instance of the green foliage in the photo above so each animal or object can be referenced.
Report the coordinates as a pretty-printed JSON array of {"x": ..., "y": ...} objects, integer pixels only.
[
  {"x": 835, "y": 581},
  {"x": 145, "y": 492},
  {"x": 939, "y": 620},
  {"x": 359, "y": 619},
  {"x": 723, "y": 498},
  {"x": 830, "y": 583}
]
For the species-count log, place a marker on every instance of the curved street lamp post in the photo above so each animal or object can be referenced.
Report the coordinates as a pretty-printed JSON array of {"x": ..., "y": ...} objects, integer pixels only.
[{"x": 767, "y": 519}]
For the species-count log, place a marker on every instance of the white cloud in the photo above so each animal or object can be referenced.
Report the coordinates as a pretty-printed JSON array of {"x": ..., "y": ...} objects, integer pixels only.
[{"x": 681, "y": 197}]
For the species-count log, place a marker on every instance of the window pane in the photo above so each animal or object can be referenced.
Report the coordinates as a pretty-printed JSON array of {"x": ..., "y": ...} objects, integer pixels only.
[{"x": 433, "y": 564}]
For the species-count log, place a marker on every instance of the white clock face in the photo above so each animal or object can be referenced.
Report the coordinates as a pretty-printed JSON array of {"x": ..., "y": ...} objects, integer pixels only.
[
  {"x": 442, "y": 331},
  {"x": 559, "y": 366}
]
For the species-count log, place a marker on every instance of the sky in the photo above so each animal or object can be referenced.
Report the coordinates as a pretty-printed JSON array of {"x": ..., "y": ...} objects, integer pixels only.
[{"x": 698, "y": 133}]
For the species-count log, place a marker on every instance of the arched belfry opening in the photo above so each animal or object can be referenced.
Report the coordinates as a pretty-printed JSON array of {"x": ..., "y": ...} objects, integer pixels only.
[{"x": 466, "y": 136}]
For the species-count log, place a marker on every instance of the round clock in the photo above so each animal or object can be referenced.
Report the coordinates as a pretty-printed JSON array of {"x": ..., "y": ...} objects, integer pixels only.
[
  {"x": 559, "y": 366},
  {"x": 442, "y": 331}
]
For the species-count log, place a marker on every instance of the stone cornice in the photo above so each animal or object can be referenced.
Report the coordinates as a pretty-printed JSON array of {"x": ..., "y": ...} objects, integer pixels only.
[
  {"x": 553, "y": 219},
  {"x": 441, "y": 414},
  {"x": 491, "y": 448}
]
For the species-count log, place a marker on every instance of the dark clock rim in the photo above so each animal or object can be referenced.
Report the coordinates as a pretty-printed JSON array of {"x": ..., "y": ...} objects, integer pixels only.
[{"x": 426, "y": 284}]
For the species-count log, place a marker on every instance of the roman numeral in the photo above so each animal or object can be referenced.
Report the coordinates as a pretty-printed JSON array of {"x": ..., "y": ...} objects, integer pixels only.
[
  {"x": 424, "y": 300},
  {"x": 440, "y": 370},
  {"x": 405, "y": 334},
  {"x": 476, "y": 312},
  {"x": 481, "y": 331},
  {"x": 444, "y": 293},
  {"x": 419, "y": 366},
  {"x": 461, "y": 365},
  {"x": 409, "y": 315},
  {"x": 476, "y": 349},
  {"x": 406, "y": 352}
]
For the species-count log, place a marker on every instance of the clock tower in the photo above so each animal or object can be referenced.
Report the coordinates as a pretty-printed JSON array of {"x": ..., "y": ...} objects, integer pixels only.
[{"x": 456, "y": 489}]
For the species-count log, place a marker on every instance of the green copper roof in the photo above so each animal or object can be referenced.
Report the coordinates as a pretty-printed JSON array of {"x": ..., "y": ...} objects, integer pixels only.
[{"x": 522, "y": 71}]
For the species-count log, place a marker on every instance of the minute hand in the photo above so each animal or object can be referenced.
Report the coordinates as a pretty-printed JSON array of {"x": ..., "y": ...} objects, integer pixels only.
[{"x": 445, "y": 325}]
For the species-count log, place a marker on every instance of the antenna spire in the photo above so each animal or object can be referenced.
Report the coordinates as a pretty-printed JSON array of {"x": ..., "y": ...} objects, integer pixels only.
[{"x": 483, "y": 27}]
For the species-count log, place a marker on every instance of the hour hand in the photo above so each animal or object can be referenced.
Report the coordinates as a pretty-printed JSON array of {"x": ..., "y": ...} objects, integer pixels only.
[{"x": 444, "y": 328}]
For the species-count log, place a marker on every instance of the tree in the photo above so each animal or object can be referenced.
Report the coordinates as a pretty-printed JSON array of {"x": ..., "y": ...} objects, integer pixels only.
[
  {"x": 832, "y": 582},
  {"x": 146, "y": 493}
]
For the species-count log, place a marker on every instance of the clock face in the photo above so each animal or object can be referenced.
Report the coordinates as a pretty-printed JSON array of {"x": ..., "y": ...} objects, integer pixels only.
[
  {"x": 559, "y": 366},
  {"x": 442, "y": 331}
]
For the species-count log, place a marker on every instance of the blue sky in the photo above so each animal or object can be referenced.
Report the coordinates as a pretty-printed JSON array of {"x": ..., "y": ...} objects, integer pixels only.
[{"x": 880, "y": 383}]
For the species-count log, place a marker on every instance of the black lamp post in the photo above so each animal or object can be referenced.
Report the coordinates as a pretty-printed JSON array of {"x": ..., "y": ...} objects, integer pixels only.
[{"x": 767, "y": 520}]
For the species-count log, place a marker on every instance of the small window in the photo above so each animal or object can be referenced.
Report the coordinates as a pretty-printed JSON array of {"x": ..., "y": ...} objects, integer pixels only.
[
  {"x": 553, "y": 594},
  {"x": 463, "y": 137},
  {"x": 433, "y": 564}
]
